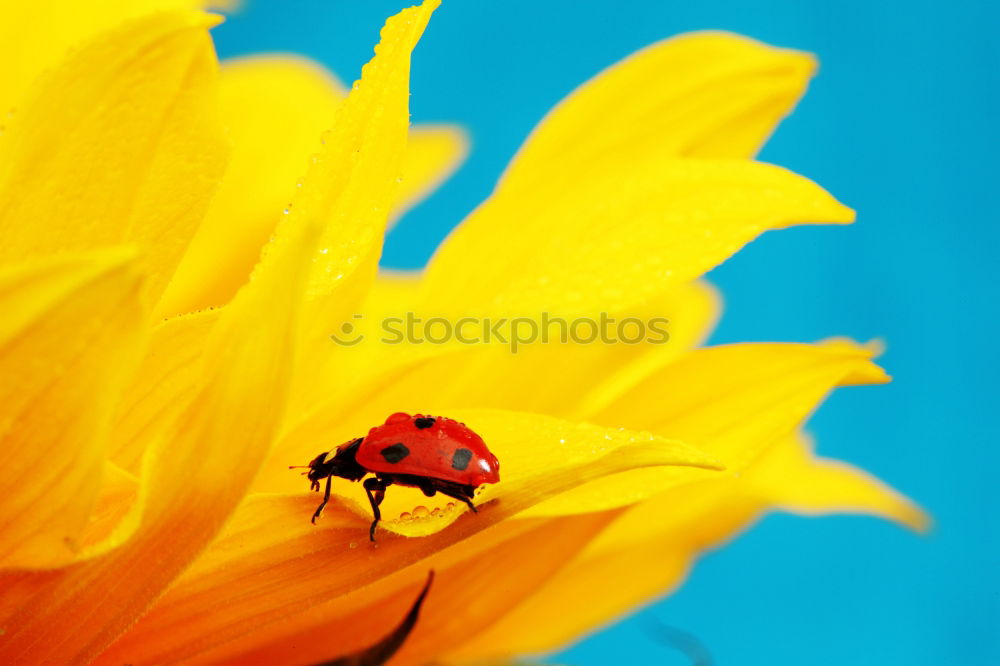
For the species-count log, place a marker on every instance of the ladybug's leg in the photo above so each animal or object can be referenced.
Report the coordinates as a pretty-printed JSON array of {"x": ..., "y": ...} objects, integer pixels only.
[
  {"x": 462, "y": 493},
  {"x": 326, "y": 498},
  {"x": 378, "y": 486}
]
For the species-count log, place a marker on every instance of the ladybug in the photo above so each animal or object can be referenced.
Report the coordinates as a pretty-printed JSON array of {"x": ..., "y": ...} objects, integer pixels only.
[{"x": 433, "y": 453}]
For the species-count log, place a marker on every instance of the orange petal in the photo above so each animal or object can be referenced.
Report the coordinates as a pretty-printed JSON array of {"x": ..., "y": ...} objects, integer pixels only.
[
  {"x": 120, "y": 143},
  {"x": 322, "y": 628},
  {"x": 281, "y": 564},
  {"x": 70, "y": 334},
  {"x": 190, "y": 484}
]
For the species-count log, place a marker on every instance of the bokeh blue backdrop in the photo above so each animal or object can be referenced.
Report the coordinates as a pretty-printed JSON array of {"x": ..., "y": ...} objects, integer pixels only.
[{"x": 901, "y": 124}]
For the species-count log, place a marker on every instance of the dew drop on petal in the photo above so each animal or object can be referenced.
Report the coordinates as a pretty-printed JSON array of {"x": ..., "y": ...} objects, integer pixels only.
[
  {"x": 406, "y": 516},
  {"x": 421, "y": 512},
  {"x": 352, "y": 545}
]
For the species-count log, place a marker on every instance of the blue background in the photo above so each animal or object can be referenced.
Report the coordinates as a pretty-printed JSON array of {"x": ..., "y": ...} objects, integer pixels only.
[{"x": 901, "y": 125}]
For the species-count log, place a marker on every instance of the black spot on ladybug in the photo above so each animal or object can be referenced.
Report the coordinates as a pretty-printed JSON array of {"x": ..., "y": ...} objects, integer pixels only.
[
  {"x": 395, "y": 453},
  {"x": 423, "y": 422},
  {"x": 460, "y": 459}
]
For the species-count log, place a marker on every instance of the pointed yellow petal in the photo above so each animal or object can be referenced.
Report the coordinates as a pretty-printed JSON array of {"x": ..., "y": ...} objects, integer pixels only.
[
  {"x": 271, "y": 538},
  {"x": 351, "y": 187},
  {"x": 330, "y": 626},
  {"x": 639, "y": 224},
  {"x": 603, "y": 183},
  {"x": 699, "y": 95},
  {"x": 70, "y": 334},
  {"x": 733, "y": 401},
  {"x": 275, "y": 108},
  {"x": 793, "y": 479},
  {"x": 119, "y": 143},
  {"x": 190, "y": 481}
]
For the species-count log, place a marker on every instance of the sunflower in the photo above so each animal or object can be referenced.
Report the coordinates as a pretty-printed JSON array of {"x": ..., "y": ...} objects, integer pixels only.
[{"x": 178, "y": 242}]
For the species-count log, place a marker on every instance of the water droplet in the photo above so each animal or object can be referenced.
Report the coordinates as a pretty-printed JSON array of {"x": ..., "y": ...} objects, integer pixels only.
[
  {"x": 421, "y": 512},
  {"x": 352, "y": 545},
  {"x": 449, "y": 506},
  {"x": 324, "y": 250},
  {"x": 285, "y": 212},
  {"x": 406, "y": 516}
]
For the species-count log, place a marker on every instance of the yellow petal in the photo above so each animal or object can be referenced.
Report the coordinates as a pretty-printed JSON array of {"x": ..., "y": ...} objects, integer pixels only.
[
  {"x": 275, "y": 108},
  {"x": 792, "y": 478},
  {"x": 162, "y": 388},
  {"x": 526, "y": 444},
  {"x": 648, "y": 550},
  {"x": 271, "y": 539},
  {"x": 70, "y": 334},
  {"x": 699, "y": 95},
  {"x": 368, "y": 134},
  {"x": 120, "y": 143},
  {"x": 190, "y": 482},
  {"x": 732, "y": 400},
  {"x": 34, "y": 36},
  {"x": 374, "y": 379},
  {"x": 603, "y": 183},
  {"x": 639, "y": 224}
]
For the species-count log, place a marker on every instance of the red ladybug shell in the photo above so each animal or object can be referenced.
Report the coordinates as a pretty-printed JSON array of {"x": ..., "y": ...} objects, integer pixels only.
[{"x": 428, "y": 446}]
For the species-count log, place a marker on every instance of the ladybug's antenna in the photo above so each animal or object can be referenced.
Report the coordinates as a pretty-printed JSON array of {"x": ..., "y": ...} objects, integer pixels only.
[{"x": 299, "y": 467}]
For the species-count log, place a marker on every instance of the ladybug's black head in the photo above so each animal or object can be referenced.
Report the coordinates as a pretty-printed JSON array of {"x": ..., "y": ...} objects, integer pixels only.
[{"x": 319, "y": 468}]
